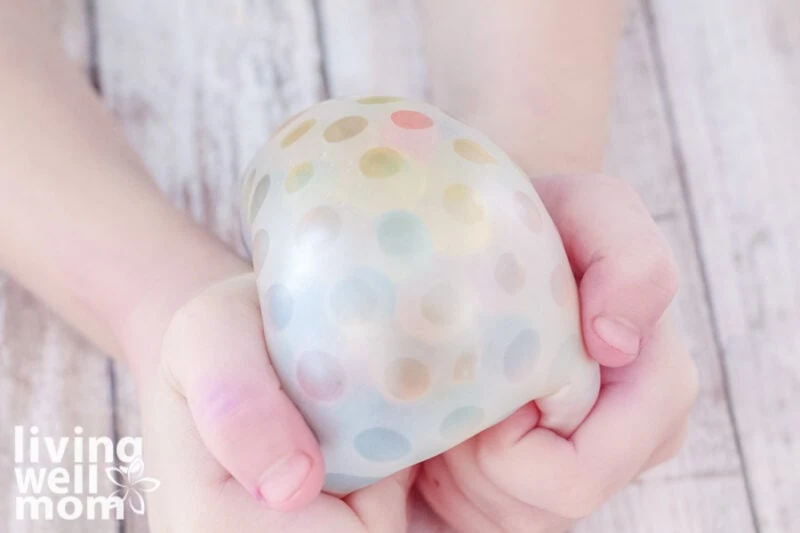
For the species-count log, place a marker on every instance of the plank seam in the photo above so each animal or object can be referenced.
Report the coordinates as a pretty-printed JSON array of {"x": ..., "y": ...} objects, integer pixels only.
[
  {"x": 319, "y": 30},
  {"x": 694, "y": 229}
]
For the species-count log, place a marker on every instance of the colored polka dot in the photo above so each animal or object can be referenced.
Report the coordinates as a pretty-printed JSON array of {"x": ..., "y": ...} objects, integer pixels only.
[
  {"x": 562, "y": 285},
  {"x": 521, "y": 355},
  {"x": 299, "y": 177},
  {"x": 411, "y": 120},
  {"x": 462, "y": 422},
  {"x": 381, "y": 445},
  {"x": 509, "y": 274},
  {"x": 381, "y": 163},
  {"x": 259, "y": 195},
  {"x": 320, "y": 376},
  {"x": 354, "y": 302},
  {"x": 336, "y": 483},
  {"x": 464, "y": 369},
  {"x": 440, "y": 305},
  {"x": 318, "y": 227},
  {"x": 402, "y": 235},
  {"x": 280, "y": 305},
  {"x": 472, "y": 151},
  {"x": 462, "y": 203},
  {"x": 378, "y": 99},
  {"x": 345, "y": 128},
  {"x": 283, "y": 125},
  {"x": 295, "y": 135},
  {"x": 407, "y": 379},
  {"x": 260, "y": 249},
  {"x": 527, "y": 212},
  {"x": 363, "y": 297}
]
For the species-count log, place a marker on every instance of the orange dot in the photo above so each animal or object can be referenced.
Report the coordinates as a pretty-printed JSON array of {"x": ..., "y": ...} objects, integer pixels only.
[
  {"x": 407, "y": 379},
  {"x": 345, "y": 128},
  {"x": 411, "y": 120},
  {"x": 378, "y": 99},
  {"x": 298, "y": 177},
  {"x": 380, "y": 162},
  {"x": 472, "y": 151},
  {"x": 294, "y": 135},
  {"x": 440, "y": 305},
  {"x": 318, "y": 227},
  {"x": 320, "y": 376}
]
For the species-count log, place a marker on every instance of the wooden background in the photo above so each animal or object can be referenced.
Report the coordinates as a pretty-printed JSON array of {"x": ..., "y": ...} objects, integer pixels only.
[{"x": 706, "y": 125}]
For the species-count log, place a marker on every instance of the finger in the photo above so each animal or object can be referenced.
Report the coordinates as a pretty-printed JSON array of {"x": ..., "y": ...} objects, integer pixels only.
[
  {"x": 215, "y": 352},
  {"x": 636, "y": 412},
  {"x": 627, "y": 276},
  {"x": 383, "y": 507}
]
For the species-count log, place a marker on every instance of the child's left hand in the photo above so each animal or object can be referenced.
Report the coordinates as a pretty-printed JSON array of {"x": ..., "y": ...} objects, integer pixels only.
[{"x": 517, "y": 477}]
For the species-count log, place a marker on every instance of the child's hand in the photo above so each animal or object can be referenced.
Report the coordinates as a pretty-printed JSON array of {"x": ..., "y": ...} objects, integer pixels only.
[
  {"x": 516, "y": 477},
  {"x": 224, "y": 439}
]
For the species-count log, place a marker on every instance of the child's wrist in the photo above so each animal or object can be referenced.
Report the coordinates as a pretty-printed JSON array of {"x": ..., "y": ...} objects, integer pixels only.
[{"x": 195, "y": 262}]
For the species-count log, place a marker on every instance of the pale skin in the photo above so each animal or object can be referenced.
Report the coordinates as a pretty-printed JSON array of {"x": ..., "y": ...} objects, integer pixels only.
[{"x": 158, "y": 293}]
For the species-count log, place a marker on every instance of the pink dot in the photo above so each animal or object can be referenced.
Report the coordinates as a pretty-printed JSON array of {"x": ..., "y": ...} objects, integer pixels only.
[
  {"x": 320, "y": 376},
  {"x": 411, "y": 120}
]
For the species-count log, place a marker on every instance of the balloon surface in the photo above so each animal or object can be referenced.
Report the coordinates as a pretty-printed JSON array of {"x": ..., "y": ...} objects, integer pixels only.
[{"x": 414, "y": 289}]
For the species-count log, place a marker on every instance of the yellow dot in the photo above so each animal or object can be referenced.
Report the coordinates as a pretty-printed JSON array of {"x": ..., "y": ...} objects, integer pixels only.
[
  {"x": 472, "y": 151},
  {"x": 299, "y": 176},
  {"x": 345, "y": 128},
  {"x": 407, "y": 379},
  {"x": 465, "y": 367},
  {"x": 380, "y": 162},
  {"x": 294, "y": 135},
  {"x": 461, "y": 202},
  {"x": 378, "y": 99}
]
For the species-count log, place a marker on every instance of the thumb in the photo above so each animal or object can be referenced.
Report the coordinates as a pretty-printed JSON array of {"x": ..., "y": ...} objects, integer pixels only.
[
  {"x": 216, "y": 357},
  {"x": 625, "y": 269}
]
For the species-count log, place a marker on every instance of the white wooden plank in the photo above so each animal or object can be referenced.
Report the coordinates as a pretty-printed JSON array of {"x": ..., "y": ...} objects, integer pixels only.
[
  {"x": 51, "y": 378},
  {"x": 198, "y": 88},
  {"x": 640, "y": 152},
  {"x": 733, "y": 76}
]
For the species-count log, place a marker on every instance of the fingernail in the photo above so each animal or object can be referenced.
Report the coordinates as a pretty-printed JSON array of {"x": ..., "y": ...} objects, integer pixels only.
[
  {"x": 285, "y": 477},
  {"x": 618, "y": 334}
]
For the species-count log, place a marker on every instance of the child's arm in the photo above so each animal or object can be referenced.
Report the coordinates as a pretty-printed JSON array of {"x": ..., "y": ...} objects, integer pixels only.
[
  {"x": 81, "y": 223},
  {"x": 535, "y": 75}
]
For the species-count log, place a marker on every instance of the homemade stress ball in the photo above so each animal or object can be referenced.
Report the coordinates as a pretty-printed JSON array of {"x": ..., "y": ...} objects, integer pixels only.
[{"x": 414, "y": 289}]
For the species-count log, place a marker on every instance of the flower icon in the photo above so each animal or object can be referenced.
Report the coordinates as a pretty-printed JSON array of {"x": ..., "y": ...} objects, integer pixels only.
[{"x": 131, "y": 484}]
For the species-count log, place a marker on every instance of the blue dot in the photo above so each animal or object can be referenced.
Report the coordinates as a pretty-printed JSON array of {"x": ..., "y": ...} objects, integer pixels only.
[
  {"x": 462, "y": 422},
  {"x": 366, "y": 295},
  {"x": 381, "y": 444},
  {"x": 521, "y": 355},
  {"x": 342, "y": 484},
  {"x": 279, "y": 301},
  {"x": 403, "y": 235}
]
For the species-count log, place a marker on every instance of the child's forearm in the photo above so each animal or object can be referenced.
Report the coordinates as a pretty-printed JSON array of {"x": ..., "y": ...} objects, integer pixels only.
[
  {"x": 81, "y": 224},
  {"x": 533, "y": 74}
]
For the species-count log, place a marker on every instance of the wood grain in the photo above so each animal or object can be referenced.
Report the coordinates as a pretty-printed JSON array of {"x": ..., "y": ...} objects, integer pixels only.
[
  {"x": 198, "y": 88},
  {"x": 732, "y": 75},
  {"x": 51, "y": 378}
]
